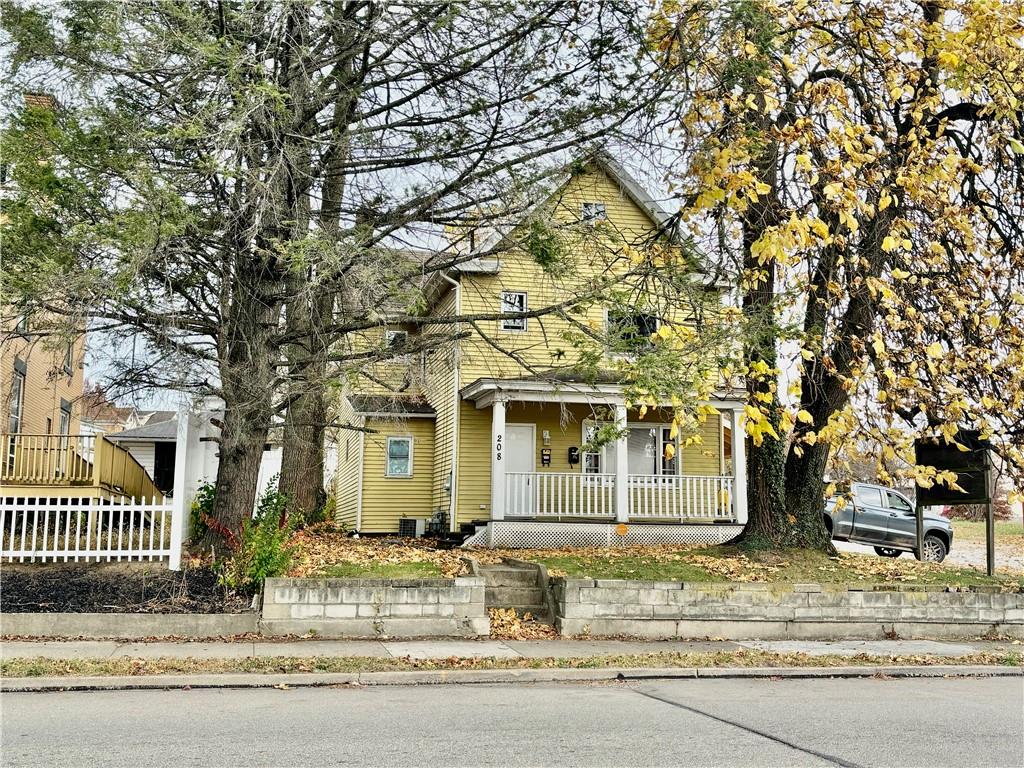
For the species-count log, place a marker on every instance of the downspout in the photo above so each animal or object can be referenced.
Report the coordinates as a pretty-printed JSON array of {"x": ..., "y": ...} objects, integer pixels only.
[{"x": 453, "y": 473}]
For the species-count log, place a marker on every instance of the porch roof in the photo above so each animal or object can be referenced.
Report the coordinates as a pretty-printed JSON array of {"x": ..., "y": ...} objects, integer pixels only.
[{"x": 606, "y": 388}]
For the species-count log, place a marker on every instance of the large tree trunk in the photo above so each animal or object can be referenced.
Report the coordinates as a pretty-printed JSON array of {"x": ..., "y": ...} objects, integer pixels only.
[
  {"x": 302, "y": 460},
  {"x": 247, "y": 374},
  {"x": 768, "y": 524}
]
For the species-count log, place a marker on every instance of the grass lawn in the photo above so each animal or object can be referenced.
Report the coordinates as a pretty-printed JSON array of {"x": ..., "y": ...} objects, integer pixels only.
[
  {"x": 412, "y": 570},
  {"x": 41, "y": 667},
  {"x": 1007, "y": 532},
  {"x": 735, "y": 564}
]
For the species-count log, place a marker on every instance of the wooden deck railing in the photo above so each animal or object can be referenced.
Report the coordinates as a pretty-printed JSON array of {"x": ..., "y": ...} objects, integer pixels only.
[{"x": 67, "y": 461}]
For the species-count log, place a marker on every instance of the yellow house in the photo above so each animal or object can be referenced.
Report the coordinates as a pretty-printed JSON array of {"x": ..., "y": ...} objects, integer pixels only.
[{"x": 486, "y": 433}]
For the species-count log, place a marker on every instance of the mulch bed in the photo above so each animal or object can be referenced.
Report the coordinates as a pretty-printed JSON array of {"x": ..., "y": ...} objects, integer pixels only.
[{"x": 114, "y": 588}]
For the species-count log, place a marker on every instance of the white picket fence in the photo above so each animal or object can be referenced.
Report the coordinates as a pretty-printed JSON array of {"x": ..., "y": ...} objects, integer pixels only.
[{"x": 69, "y": 529}]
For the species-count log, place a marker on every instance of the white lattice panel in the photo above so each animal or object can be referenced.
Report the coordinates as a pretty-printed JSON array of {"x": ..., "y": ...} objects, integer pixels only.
[
  {"x": 677, "y": 534},
  {"x": 518, "y": 535}
]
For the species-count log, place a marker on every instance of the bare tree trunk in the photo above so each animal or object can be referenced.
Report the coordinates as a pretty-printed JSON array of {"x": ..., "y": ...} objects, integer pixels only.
[
  {"x": 247, "y": 384},
  {"x": 302, "y": 460}
]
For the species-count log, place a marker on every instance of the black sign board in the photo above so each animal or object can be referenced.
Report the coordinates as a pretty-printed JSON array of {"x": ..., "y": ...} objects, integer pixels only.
[{"x": 971, "y": 467}]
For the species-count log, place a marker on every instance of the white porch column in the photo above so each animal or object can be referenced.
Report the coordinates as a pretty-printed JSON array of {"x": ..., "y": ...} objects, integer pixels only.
[
  {"x": 621, "y": 467},
  {"x": 739, "y": 466},
  {"x": 498, "y": 460}
]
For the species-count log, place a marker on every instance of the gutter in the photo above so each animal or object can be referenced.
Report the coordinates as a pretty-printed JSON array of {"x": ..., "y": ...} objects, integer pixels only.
[{"x": 453, "y": 472}]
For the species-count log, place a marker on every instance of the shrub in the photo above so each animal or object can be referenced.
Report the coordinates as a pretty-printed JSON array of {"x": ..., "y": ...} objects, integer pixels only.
[
  {"x": 202, "y": 507},
  {"x": 1000, "y": 511},
  {"x": 263, "y": 550}
]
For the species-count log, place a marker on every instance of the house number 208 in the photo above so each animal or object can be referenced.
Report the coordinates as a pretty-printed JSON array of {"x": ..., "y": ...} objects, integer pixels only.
[{"x": 497, "y": 448}]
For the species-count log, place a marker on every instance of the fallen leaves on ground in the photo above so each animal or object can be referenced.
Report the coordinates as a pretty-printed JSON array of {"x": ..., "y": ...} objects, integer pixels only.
[
  {"x": 317, "y": 549},
  {"x": 506, "y": 624}
]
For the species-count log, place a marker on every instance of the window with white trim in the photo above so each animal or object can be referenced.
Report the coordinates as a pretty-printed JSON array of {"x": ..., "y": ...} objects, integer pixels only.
[
  {"x": 513, "y": 301},
  {"x": 601, "y": 461},
  {"x": 16, "y": 401},
  {"x": 399, "y": 457},
  {"x": 68, "y": 362},
  {"x": 631, "y": 331},
  {"x": 593, "y": 211},
  {"x": 396, "y": 338}
]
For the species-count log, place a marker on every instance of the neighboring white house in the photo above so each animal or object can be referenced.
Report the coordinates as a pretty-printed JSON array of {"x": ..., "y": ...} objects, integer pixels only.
[{"x": 182, "y": 448}]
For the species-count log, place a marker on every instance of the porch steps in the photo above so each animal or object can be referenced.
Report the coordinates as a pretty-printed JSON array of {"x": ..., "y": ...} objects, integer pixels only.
[{"x": 508, "y": 586}]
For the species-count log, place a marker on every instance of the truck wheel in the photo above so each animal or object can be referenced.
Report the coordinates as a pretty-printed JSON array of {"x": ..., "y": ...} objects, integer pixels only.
[
  {"x": 886, "y": 552},
  {"x": 934, "y": 550}
]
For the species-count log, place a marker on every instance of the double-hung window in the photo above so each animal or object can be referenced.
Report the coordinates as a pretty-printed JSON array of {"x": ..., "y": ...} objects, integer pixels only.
[
  {"x": 399, "y": 458},
  {"x": 513, "y": 302},
  {"x": 593, "y": 212},
  {"x": 16, "y": 398},
  {"x": 69, "y": 354},
  {"x": 631, "y": 332},
  {"x": 15, "y": 402}
]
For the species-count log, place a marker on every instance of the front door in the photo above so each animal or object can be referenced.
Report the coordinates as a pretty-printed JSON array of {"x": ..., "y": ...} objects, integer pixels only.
[{"x": 520, "y": 452}]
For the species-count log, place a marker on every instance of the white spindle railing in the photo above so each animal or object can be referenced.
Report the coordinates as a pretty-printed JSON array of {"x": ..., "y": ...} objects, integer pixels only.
[
  {"x": 559, "y": 494},
  {"x": 85, "y": 529},
  {"x": 651, "y": 497},
  {"x": 680, "y": 497}
]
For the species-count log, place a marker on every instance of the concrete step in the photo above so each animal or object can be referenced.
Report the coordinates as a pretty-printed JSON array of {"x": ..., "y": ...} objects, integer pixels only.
[
  {"x": 507, "y": 576},
  {"x": 506, "y": 597},
  {"x": 539, "y": 612}
]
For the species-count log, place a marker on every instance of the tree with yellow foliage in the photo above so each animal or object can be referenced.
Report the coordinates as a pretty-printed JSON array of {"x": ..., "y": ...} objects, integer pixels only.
[{"x": 858, "y": 169}]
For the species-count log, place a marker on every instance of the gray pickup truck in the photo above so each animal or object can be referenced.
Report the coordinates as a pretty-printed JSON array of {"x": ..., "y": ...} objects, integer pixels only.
[{"x": 884, "y": 518}]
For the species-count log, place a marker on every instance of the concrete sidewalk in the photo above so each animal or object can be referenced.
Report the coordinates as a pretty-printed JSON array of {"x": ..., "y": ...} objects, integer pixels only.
[{"x": 443, "y": 649}]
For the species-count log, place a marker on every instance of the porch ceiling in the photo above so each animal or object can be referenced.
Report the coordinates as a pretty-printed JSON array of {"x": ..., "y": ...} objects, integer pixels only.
[{"x": 561, "y": 388}]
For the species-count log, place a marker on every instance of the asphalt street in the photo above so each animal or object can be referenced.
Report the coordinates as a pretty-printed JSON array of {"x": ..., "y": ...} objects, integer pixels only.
[{"x": 874, "y": 722}]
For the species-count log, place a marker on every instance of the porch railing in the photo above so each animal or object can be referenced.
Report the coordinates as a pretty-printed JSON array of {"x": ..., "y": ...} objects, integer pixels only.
[
  {"x": 680, "y": 497},
  {"x": 649, "y": 497},
  {"x": 559, "y": 494},
  {"x": 65, "y": 461}
]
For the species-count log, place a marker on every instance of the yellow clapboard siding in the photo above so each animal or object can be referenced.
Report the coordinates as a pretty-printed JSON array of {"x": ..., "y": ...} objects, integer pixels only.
[
  {"x": 388, "y": 499},
  {"x": 346, "y": 488}
]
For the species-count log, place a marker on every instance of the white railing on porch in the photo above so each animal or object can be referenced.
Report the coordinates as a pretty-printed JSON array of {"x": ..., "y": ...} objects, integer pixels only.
[
  {"x": 650, "y": 497},
  {"x": 74, "y": 529},
  {"x": 680, "y": 497},
  {"x": 559, "y": 494}
]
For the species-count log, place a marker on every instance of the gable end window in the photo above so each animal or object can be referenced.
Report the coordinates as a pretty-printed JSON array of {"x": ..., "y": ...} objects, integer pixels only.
[
  {"x": 594, "y": 212},
  {"x": 632, "y": 330},
  {"x": 399, "y": 457},
  {"x": 513, "y": 301},
  {"x": 396, "y": 338}
]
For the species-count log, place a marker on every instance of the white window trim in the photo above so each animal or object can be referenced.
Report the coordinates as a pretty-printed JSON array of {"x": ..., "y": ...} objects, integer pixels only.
[
  {"x": 16, "y": 406},
  {"x": 387, "y": 456},
  {"x": 622, "y": 354},
  {"x": 593, "y": 219},
  {"x": 523, "y": 320},
  {"x": 634, "y": 425}
]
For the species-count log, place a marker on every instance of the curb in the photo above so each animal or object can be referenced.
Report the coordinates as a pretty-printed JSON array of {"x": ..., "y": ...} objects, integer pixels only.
[{"x": 486, "y": 676}]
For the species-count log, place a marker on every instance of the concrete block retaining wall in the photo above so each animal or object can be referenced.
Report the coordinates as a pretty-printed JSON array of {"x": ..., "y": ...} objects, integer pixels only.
[
  {"x": 375, "y": 607},
  {"x": 670, "y": 609},
  {"x": 127, "y": 625}
]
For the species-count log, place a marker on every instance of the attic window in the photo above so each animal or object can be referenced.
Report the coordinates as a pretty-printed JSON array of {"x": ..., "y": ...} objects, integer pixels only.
[
  {"x": 594, "y": 212},
  {"x": 632, "y": 330},
  {"x": 513, "y": 301},
  {"x": 396, "y": 339}
]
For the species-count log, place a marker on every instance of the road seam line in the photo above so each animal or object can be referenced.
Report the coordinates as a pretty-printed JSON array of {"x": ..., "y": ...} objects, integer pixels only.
[{"x": 824, "y": 756}]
